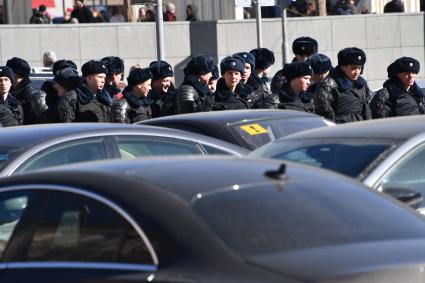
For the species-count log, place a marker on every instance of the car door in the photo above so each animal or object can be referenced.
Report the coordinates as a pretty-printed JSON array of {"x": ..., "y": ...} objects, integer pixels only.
[
  {"x": 74, "y": 236},
  {"x": 79, "y": 150}
]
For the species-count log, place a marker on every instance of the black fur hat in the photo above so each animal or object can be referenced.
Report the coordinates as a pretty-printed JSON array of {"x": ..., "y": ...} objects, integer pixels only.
[
  {"x": 160, "y": 69},
  {"x": 264, "y": 58},
  {"x": 6, "y": 72},
  {"x": 19, "y": 66},
  {"x": 297, "y": 69},
  {"x": 114, "y": 64},
  {"x": 139, "y": 76},
  {"x": 320, "y": 63},
  {"x": 403, "y": 64},
  {"x": 200, "y": 65},
  {"x": 232, "y": 63},
  {"x": 247, "y": 58},
  {"x": 93, "y": 67},
  {"x": 305, "y": 45},
  {"x": 215, "y": 73},
  {"x": 62, "y": 64},
  {"x": 68, "y": 78},
  {"x": 351, "y": 56}
]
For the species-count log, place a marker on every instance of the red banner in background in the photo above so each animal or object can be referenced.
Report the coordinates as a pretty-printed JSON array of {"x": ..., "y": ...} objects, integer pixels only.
[{"x": 48, "y": 3}]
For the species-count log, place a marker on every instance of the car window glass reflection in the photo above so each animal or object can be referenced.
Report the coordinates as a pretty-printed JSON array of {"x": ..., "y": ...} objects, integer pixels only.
[
  {"x": 75, "y": 228},
  {"x": 130, "y": 147},
  {"x": 67, "y": 153}
]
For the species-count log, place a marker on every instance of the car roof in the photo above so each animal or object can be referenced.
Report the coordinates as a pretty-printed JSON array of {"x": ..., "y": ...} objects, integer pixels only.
[
  {"x": 397, "y": 128},
  {"x": 29, "y": 135}
]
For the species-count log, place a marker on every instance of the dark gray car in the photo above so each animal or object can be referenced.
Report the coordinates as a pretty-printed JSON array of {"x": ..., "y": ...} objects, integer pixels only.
[{"x": 27, "y": 148}]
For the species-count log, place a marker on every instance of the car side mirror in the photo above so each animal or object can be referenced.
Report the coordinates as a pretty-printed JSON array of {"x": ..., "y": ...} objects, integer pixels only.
[{"x": 409, "y": 197}]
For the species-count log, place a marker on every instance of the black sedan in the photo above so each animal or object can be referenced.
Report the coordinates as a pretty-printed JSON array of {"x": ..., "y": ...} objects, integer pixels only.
[
  {"x": 199, "y": 219},
  {"x": 247, "y": 128},
  {"x": 27, "y": 148}
]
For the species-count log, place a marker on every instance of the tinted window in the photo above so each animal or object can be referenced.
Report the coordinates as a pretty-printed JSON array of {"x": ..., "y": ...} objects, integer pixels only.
[
  {"x": 76, "y": 228},
  {"x": 409, "y": 173},
  {"x": 256, "y": 133},
  {"x": 12, "y": 207},
  {"x": 66, "y": 153},
  {"x": 348, "y": 157},
  {"x": 132, "y": 147},
  {"x": 213, "y": 150},
  {"x": 269, "y": 218}
]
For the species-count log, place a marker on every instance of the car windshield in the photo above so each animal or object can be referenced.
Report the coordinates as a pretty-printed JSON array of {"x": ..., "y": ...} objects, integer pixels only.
[
  {"x": 346, "y": 156},
  {"x": 257, "y": 132},
  {"x": 267, "y": 218}
]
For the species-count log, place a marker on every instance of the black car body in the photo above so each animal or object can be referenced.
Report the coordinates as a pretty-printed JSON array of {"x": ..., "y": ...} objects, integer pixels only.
[
  {"x": 27, "y": 148},
  {"x": 203, "y": 220},
  {"x": 246, "y": 128}
]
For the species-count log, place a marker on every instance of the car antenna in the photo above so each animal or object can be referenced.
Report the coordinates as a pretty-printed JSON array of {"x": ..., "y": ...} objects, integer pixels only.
[{"x": 278, "y": 174}]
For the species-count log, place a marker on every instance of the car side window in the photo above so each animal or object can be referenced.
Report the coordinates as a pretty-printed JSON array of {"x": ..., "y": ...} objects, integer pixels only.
[
  {"x": 132, "y": 147},
  {"x": 409, "y": 173},
  {"x": 66, "y": 153},
  {"x": 12, "y": 207},
  {"x": 76, "y": 228}
]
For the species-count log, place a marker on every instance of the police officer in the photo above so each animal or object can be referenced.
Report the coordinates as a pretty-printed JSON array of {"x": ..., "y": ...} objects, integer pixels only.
[
  {"x": 227, "y": 95},
  {"x": 303, "y": 48},
  {"x": 11, "y": 112},
  {"x": 264, "y": 60},
  {"x": 115, "y": 66},
  {"x": 400, "y": 95},
  {"x": 343, "y": 96},
  {"x": 263, "y": 98},
  {"x": 23, "y": 91},
  {"x": 89, "y": 102},
  {"x": 162, "y": 97},
  {"x": 321, "y": 66},
  {"x": 212, "y": 83},
  {"x": 132, "y": 107},
  {"x": 292, "y": 93},
  {"x": 193, "y": 95}
]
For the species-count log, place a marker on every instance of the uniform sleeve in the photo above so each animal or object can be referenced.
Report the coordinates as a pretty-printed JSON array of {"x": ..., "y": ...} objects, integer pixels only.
[
  {"x": 379, "y": 104},
  {"x": 119, "y": 110},
  {"x": 323, "y": 99},
  {"x": 67, "y": 108},
  {"x": 186, "y": 99}
]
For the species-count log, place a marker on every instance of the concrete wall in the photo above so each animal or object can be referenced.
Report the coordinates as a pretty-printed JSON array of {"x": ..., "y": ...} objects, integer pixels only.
[{"x": 383, "y": 37}]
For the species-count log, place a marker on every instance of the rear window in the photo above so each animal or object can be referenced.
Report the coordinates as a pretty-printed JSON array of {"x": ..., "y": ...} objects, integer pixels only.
[
  {"x": 255, "y": 133},
  {"x": 265, "y": 219},
  {"x": 348, "y": 157}
]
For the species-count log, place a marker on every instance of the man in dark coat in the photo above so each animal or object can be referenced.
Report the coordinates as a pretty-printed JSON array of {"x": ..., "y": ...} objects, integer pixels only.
[
  {"x": 303, "y": 48},
  {"x": 400, "y": 95},
  {"x": 11, "y": 113},
  {"x": 89, "y": 102},
  {"x": 132, "y": 108},
  {"x": 321, "y": 66},
  {"x": 264, "y": 60},
  {"x": 115, "y": 66},
  {"x": 343, "y": 96},
  {"x": 31, "y": 101},
  {"x": 394, "y": 6},
  {"x": 82, "y": 13},
  {"x": 162, "y": 97},
  {"x": 193, "y": 95}
]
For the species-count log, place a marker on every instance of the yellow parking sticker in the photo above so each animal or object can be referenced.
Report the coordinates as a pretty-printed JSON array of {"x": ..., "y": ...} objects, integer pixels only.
[{"x": 254, "y": 129}]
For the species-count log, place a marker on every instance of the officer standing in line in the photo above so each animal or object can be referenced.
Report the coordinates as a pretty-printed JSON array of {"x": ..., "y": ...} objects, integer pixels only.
[
  {"x": 89, "y": 102},
  {"x": 343, "y": 96},
  {"x": 193, "y": 95},
  {"x": 212, "y": 83},
  {"x": 264, "y": 59},
  {"x": 321, "y": 66},
  {"x": 291, "y": 95},
  {"x": 132, "y": 107},
  {"x": 162, "y": 97},
  {"x": 11, "y": 112},
  {"x": 303, "y": 48},
  {"x": 400, "y": 95},
  {"x": 115, "y": 66}
]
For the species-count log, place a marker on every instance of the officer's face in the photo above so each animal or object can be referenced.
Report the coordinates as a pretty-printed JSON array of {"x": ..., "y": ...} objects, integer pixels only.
[
  {"x": 116, "y": 79},
  {"x": 161, "y": 85},
  {"x": 212, "y": 85},
  {"x": 5, "y": 85},
  {"x": 318, "y": 77},
  {"x": 96, "y": 82},
  {"x": 407, "y": 78},
  {"x": 144, "y": 88},
  {"x": 232, "y": 78},
  {"x": 352, "y": 71},
  {"x": 204, "y": 79},
  {"x": 246, "y": 72},
  {"x": 300, "y": 84}
]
